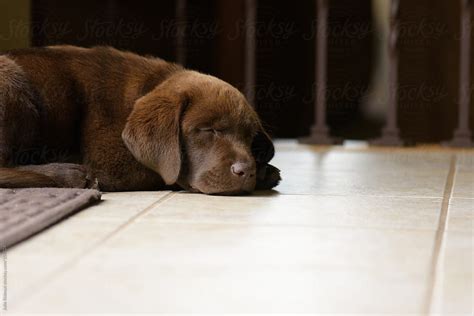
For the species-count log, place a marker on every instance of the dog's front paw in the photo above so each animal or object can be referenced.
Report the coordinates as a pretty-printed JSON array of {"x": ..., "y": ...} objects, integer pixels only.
[
  {"x": 68, "y": 175},
  {"x": 77, "y": 176},
  {"x": 268, "y": 177}
]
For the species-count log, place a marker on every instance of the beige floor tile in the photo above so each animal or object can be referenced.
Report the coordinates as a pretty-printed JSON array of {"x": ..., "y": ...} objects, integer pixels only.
[
  {"x": 362, "y": 161},
  {"x": 31, "y": 263},
  {"x": 120, "y": 205},
  {"x": 300, "y": 210},
  {"x": 454, "y": 288},
  {"x": 335, "y": 171},
  {"x": 461, "y": 215},
  {"x": 166, "y": 267},
  {"x": 375, "y": 183},
  {"x": 465, "y": 161},
  {"x": 464, "y": 184},
  {"x": 222, "y": 289}
]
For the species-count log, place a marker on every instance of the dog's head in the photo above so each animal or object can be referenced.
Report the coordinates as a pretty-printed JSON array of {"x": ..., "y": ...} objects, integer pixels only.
[{"x": 200, "y": 132}]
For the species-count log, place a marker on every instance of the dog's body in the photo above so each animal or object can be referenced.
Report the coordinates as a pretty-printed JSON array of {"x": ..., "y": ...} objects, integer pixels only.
[{"x": 118, "y": 117}]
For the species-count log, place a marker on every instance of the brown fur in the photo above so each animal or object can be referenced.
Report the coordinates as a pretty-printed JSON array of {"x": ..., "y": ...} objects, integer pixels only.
[
  {"x": 15, "y": 178},
  {"x": 131, "y": 122}
]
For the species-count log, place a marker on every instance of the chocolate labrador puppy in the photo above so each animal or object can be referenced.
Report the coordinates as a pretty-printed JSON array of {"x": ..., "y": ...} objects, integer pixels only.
[{"x": 99, "y": 117}]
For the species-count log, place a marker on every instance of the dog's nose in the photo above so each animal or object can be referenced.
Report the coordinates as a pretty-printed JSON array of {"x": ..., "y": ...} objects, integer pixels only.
[{"x": 242, "y": 169}]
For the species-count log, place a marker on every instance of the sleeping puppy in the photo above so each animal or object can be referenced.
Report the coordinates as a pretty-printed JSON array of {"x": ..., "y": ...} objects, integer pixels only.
[{"x": 126, "y": 122}]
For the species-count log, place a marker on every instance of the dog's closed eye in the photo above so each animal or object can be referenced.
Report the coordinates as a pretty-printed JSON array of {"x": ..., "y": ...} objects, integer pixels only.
[{"x": 212, "y": 130}]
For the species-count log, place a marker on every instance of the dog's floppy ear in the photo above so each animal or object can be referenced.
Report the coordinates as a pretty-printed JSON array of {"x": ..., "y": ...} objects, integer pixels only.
[
  {"x": 152, "y": 132},
  {"x": 262, "y": 147}
]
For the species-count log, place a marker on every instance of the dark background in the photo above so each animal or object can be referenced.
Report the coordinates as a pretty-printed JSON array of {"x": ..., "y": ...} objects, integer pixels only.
[{"x": 429, "y": 49}]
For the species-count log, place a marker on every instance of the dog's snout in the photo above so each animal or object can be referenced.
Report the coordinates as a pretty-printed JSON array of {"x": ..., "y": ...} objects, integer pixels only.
[{"x": 243, "y": 169}]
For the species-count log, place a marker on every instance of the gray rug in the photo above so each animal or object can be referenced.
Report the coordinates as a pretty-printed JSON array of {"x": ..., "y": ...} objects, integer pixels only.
[{"x": 24, "y": 212}]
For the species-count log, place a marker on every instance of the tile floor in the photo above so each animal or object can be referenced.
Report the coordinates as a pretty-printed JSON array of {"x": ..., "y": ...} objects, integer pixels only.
[{"x": 349, "y": 230}]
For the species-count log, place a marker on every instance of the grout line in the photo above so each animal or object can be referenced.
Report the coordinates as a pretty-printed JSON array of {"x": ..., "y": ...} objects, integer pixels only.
[
  {"x": 436, "y": 261},
  {"x": 35, "y": 288}
]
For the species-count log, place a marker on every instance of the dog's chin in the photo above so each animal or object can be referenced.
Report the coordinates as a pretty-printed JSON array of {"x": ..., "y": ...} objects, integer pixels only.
[
  {"x": 231, "y": 193},
  {"x": 206, "y": 186},
  {"x": 197, "y": 188},
  {"x": 214, "y": 191}
]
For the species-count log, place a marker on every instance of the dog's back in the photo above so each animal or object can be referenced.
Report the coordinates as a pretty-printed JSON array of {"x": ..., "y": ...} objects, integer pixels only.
[
  {"x": 57, "y": 101},
  {"x": 69, "y": 83}
]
